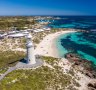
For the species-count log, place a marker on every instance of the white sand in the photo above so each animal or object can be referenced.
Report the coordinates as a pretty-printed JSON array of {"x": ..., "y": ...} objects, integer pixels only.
[{"x": 47, "y": 46}]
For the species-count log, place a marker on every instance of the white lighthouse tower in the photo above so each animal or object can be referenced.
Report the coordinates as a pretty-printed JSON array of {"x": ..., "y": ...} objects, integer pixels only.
[{"x": 30, "y": 50}]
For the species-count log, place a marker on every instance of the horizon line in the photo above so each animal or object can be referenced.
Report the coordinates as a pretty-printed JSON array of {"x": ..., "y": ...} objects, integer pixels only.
[{"x": 43, "y": 15}]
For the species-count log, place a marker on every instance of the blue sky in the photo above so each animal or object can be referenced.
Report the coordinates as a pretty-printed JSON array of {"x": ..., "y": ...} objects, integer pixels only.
[{"x": 47, "y": 7}]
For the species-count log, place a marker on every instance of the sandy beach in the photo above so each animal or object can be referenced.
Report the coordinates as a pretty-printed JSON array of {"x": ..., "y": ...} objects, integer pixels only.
[{"x": 47, "y": 45}]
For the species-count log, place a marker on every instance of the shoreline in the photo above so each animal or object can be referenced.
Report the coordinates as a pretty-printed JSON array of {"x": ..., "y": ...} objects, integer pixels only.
[{"x": 47, "y": 46}]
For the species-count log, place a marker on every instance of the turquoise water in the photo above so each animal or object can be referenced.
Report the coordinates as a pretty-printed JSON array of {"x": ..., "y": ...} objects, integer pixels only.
[
  {"x": 61, "y": 50},
  {"x": 74, "y": 42},
  {"x": 81, "y": 43}
]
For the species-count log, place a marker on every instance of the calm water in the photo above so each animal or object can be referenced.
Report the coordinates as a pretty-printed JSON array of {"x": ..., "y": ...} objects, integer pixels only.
[{"x": 81, "y": 43}]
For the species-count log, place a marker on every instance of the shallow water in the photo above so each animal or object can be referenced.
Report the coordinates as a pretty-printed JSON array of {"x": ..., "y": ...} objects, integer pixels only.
[{"x": 75, "y": 42}]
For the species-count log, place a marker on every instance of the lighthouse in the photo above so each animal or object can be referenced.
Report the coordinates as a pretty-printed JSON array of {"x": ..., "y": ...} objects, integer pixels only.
[{"x": 30, "y": 59}]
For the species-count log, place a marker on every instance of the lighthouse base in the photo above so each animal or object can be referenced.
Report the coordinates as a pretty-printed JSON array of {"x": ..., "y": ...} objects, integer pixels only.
[
  {"x": 29, "y": 62},
  {"x": 24, "y": 65}
]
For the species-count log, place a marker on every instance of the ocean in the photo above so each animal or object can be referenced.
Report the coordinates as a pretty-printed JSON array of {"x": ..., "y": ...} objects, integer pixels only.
[{"x": 82, "y": 43}]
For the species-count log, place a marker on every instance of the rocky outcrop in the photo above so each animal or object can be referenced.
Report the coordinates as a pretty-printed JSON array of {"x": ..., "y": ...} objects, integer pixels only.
[
  {"x": 92, "y": 86},
  {"x": 89, "y": 68}
]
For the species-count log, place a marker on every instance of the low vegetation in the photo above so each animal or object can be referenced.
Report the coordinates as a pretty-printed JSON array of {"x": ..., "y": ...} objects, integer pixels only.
[
  {"x": 6, "y": 23},
  {"x": 43, "y": 78},
  {"x": 3, "y": 70},
  {"x": 10, "y": 58},
  {"x": 50, "y": 60}
]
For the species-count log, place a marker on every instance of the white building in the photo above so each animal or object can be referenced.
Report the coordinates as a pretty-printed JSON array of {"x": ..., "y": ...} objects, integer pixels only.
[
  {"x": 16, "y": 35},
  {"x": 30, "y": 50}
]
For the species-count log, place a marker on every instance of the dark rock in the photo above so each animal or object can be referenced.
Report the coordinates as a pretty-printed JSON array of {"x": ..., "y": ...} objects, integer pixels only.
[
  {"x": 92, "y": 85},
  {"x": 89, "y": 68}
]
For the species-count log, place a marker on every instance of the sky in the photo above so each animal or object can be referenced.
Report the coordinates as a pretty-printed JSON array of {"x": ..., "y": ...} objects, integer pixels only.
[{"x": 47, "y": 7}]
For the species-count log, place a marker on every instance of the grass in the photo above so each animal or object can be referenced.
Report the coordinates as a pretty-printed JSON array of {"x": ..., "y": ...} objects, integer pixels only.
[
  {"x": 43, "y": 78},
  {"x": 40, "y": 79},
  {"x": 2, "y": 71},
  {"x": 50, "y": 60},
  {"x": 36, "y": 40},
  {"x": 9, "y": 58}
]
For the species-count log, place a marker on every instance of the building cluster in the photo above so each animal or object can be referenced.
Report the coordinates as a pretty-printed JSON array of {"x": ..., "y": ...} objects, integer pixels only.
[{"x": 22, "y": 33}]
